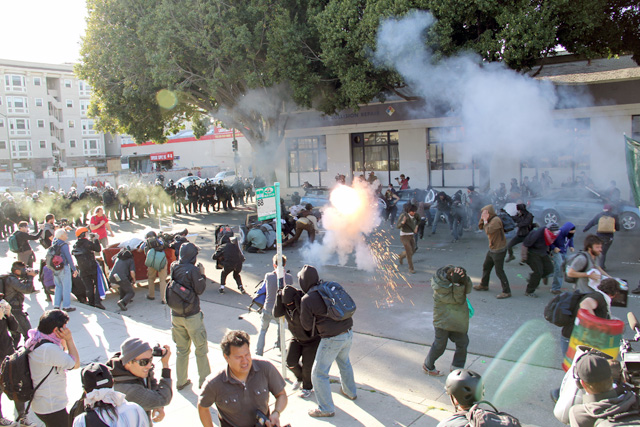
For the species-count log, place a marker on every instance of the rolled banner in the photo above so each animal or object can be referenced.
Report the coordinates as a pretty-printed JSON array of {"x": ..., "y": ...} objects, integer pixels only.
[{"x": 594, "y": 332}]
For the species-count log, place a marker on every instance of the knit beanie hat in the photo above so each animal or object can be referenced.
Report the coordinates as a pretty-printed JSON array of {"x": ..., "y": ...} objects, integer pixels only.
[
  {"x": 96, "y": 375},
  {"x": 132, "y": 348}
]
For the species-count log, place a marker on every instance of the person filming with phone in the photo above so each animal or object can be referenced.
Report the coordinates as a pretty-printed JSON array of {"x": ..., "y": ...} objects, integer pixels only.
[{"x": 132, "y": 371}]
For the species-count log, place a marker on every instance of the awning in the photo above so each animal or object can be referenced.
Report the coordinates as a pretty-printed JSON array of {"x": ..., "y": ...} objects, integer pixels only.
[{"x": 161, "y": 157}]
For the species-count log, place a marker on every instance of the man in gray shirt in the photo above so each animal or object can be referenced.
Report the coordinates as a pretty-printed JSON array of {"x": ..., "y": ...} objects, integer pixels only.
[
  {"x": 586, "y": 261},
  {"x": 271, "y": 283}
]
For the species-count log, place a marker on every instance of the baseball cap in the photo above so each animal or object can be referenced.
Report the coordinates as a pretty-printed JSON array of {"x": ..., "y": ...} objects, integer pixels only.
[
  {"x": 96, "y": 375},
  {"x": 592, "y": 368},
  {"x": 81, "y": 230}
]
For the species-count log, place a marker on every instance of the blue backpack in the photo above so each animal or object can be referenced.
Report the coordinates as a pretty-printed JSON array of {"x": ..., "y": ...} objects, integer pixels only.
[{"x": 340, "y": 305}]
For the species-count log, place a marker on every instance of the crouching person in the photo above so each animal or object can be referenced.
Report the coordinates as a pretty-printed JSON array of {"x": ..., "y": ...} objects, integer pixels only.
[
  {"x": 102, "y": 404},
  {"x": 123, "y": 275},
  {"x": 132, "y": 371}
]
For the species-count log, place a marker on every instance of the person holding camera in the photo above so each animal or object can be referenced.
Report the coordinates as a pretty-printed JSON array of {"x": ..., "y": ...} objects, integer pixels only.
[
  {"x": 450, "y": 286},
  {"x": 84, "y": 251},
  {"x": 18, "y": 283},
  {"x": 132, "y": 371}
]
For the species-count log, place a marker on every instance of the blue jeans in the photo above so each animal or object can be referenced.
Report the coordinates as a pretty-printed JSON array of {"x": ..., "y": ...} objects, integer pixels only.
[
  {"x": 558, "y": 274},
  {"x": 62, "y": 280},
  {"x": 330, "y": 349},
  {"x": 267, "y": 318},
  {"x": 456, "y": 230},
  {"x": 436, "y": 218}
]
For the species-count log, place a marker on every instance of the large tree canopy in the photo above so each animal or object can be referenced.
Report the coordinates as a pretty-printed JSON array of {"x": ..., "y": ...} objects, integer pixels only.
[{"x": 247, "y": 62}]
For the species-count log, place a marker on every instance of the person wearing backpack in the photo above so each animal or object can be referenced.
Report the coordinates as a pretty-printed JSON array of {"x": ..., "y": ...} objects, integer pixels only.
[
  {"x": 102, "y": 404},
  {"x": 187, "y": 320},
  {"x": 559, "y": 249},
  {"x": 450, "y": 287},
  {"x": 156, "y": 262},
  {"x": 62, "y": 277},
  {"x": 524, "y": 222},
  {"x": 271, "y": 286},
  {"x": 84, "y": 251},
  {"x": 602, "y": 404},
  {"x": 22, "y": 237},
  {"x": 336, "y": 337},
  {"x": 8, "y": 325},
  {"x": 48, "y": 363},
  {"x": 492, "y": 226},
  {"x": 535, "y": 253},
  {"x": 581, "y": 265},
  {"x": 123, "y": 275},
  {"x": 608, "y": 223},
  {"x": 231, "y": 258},
  {"x": 18, "y": 283}
]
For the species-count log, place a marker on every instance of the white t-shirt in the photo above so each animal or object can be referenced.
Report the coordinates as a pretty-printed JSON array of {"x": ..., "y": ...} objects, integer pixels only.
[{"x": 51, "y": 396}]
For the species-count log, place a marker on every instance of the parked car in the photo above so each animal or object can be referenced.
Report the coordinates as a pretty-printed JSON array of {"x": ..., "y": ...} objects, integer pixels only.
[
  {"x": 579, "y": 205},
  {"x": 186, "y": 180},
  {"x": 228, "y": 177}
]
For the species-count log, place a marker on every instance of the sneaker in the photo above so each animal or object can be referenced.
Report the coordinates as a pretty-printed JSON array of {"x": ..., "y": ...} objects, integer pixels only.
[
  {"x": 6, "y": 422},
  {"x": 99, "y": 305},
  {"x": 318, "y": 413},
  {"x": 242, "y": 291},
  {"x": 69, "y": 309},
  {"x": 183, "y": 386},
  {"x": 556, "y": 292},
  {"x": 25, "y": 422},
  {"x": 346, "y": 395},
  {"x": 221, "y": 290},
  {"x": 150, "y": 298},
  {"x": 532, "y": 294},
  {"x": 305, "y": 394},
  {"x": 503, "y": 295},
  {"x": 432, "y": 372},
  {"x": 296, "y": 385},
  {"x": 481, "y": 288},
  {"x": 510, "y": 258},
  {"x": 122, "y": 306}
]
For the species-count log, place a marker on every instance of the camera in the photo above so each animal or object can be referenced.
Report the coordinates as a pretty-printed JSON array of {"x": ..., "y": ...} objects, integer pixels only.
[{"x": 158, "y": 351}]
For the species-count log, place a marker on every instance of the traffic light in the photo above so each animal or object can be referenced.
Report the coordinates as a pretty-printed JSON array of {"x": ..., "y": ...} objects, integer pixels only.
[{"x": 234, "y": 145}]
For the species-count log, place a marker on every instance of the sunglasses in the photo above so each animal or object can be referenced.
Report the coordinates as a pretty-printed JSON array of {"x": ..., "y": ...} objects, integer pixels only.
[{"x": 144, "y": 362}]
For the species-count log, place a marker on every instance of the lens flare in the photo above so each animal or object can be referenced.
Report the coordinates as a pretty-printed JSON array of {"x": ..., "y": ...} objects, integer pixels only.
[
  {"x": 166, "y": 99},
  {"x": 347, "y": 200}
]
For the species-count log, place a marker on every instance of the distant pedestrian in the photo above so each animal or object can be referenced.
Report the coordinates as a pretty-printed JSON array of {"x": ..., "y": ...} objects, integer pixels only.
[
  {"x": 559, "y": 249},
  {"x": 443, "y": 207},
  {"x": 63, "y": 277},
  {"x": 25, "y": 252},
  {"x": 536, "y": 254},
  {"x": 123, "y": 275},
  {"x": 403, "y": 182},
  {"x": 85, "y": 250},
  {"x": 391, "y": 209},
  {"x": 450, "y": 287},
  {"x": 492, "y": 226},
  {"x": 608, "y": 223},
  {"x": 229, "y": 256},
  {"x": 16, "y": 284},
  {"x": 408, "y": 225},
  {"x": 272, "y": 286},
  {"x": 99, "y": 224}
]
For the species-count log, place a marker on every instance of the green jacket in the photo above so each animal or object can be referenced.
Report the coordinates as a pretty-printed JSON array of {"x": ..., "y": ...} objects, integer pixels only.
[
  {"x": 450, "y": 310},
  {"x": 410, "y": 224}
]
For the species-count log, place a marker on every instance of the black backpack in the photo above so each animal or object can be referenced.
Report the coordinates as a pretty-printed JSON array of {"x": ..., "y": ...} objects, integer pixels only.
[
  {"x": 15, "y": 375},
  {"x": 562, "y": 309},
  {"x": 480, "y": 417},
  {"x": 508, "y": 223},
  {"x": 340, "y": 305}
]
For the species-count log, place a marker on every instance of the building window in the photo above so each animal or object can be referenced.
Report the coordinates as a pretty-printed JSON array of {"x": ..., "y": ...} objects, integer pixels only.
[
  {"x": 17, "y": 105},
  {"x": 1, "y": 122},
  {"x": 450, "y": 161},
  {"x": 19, "y": 127},
  {"x": 375, "y": 151},
  {"x": 91, "y": 147},
  {"x": 71, "y": 124},
  {"x": 72, "y": 143},
  {"x": 635, "y": 127},
  {"x": 43, "y": 144},
  {"x": 21, "y": 149},
  {"x": 84, "y": 106},
  {"x": 307, "y": 160},
  {"x": 67, "y": 83},
  {"x": 3, "y": 145},
  {"x": 37, "y": 81},
  {"x": 15, "y": 83},
  {"x": 83, "y": 88},
  {"x": 69, "y": 103},
  {"x": 87, "y": 127},
  {"x": 40, "y": 123},
  {"x": 39, "y": 102}
]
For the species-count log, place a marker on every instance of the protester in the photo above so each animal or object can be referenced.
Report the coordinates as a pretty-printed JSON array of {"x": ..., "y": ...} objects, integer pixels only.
[
  {"x": 536, "y": 255},
  {"x": 62, "y": 278},
  {"x": 524, "y": 222},
  {"x": 608, "y": 223},
  {"x": 132, "y": 371},
  {"x": 49, "y": 229},
  {"x": 403, "y": 182},
  {"x": 408, "y": 225},
  {"x": 231, "y": 258},
  {"x": 99, "y": 224},
  {"x": 443, "y": 207},
  {"x": 104, "y": 404},
  {"x": 559, "y": 248},
  {"x": 84, "y": 251},
  {"x": 271, "y": 283},
  {"x": 256, "y": 241},
  {"x": 335, "y": 344},
  {"x": 601, "y": 400},
  {"x": 584, "y": 265},
  {"x": 187, "y": 321},
  {"x": 155, "y": 267},
  {"x": 464, "y": 387},
  {"x": 244, "y": 377},
  {"x": 25, "y": 252},
  {"x": 306, "y": 221},
  {"x": 391, "y": 209},
  {"x": 492, "y": 226},
  {"x": 48, "y": 362},
  {"x": 16, "y": 284},
  {"x": 450, "y": 287},
  {"x": 123, "y": 275}
]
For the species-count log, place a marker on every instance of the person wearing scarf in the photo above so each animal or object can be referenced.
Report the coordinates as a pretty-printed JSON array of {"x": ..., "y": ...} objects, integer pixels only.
[
  {"x": 536, "y": 254},
  {"x": 49, "y": 359},
  {"x": 101, "y": 401}
]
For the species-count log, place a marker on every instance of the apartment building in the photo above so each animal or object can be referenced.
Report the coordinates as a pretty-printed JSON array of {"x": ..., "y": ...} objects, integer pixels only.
[{"x": 44, "y": 122}]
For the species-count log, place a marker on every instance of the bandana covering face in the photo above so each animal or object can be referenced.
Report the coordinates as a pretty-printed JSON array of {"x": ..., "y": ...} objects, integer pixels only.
[{"x": 549, "y": 236}]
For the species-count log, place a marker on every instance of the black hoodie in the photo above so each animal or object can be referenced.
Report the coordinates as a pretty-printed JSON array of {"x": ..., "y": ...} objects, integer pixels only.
[
  {"x": 313, "y": 308},
  {"x": 185, "y": 274},
  {"x": 292, "y": 295},
  {"x": 84, "y": 250},
  {"x": 524, "y": 220}
]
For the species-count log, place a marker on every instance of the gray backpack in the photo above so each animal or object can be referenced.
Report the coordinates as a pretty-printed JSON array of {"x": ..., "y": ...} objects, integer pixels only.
[{"x": 480, "y": 417}]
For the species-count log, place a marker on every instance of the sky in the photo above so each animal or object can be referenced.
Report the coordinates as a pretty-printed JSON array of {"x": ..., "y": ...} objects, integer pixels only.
[{"x": 42, "y": 30}]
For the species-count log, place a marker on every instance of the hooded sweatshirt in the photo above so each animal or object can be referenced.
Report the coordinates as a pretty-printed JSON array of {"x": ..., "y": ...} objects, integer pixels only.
[
  {"x": 85, "y": 252},
  {"x": 292, "y": 295},
  {"x": 535, "y": 242},
  {"x": 564, "y": 240},
  {"x": 600, "y": 406},
  {"x": 494, "y": 230},
  {"x": 450, "y": 310},
  {"x": 313, "y": 308},
  {"x": 185, "y": 274},
  {"x": 524, "y": 220}
]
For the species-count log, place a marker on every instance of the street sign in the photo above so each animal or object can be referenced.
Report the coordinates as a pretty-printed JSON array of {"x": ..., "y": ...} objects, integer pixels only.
[{"x": 266, "y": 202}]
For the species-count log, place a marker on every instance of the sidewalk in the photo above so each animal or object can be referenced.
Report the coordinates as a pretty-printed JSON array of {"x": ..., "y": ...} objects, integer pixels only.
[{"x": 392, "y": 389}]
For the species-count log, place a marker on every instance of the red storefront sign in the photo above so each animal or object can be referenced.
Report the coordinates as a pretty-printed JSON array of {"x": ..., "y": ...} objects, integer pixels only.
[{"x": 161, "y": 157}]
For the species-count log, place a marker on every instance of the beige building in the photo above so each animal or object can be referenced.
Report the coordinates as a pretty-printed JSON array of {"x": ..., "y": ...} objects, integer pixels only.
[{"x": 44, "y": 122}]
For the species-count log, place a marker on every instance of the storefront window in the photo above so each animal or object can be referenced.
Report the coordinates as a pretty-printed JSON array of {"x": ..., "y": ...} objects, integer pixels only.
[
  {"x": 307, "y": 160},
  {"x": 375, "y": 151},
  {"x": 451, "y": 163},
  {"x": 635, "y": 127}
]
